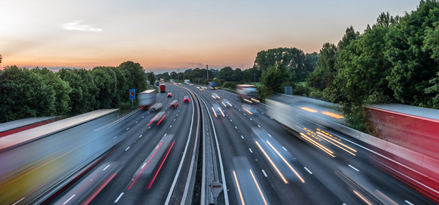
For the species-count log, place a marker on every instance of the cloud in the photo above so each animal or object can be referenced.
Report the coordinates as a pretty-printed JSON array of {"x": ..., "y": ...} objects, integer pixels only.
[{"x": 76, "y": 26}]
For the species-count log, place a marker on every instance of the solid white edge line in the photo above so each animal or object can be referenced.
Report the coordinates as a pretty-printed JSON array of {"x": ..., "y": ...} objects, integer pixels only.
[
  {"x": 226, "y": 196},
  {"x": 308, "y": 170},
  {"x": 69, "y": 199},
  {"x": 106, "y": 167},
  {"x": 127, "y": 149},
  {"x": 171, "y": 190},
  {"x": 250, "y": 150},
  {"x": 120, "y": 195}
]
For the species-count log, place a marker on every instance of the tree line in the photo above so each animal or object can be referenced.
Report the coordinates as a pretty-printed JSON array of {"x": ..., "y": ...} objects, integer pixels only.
[
  {"x": 41, "y": 92},
  {"x": 396, "y": 60}
]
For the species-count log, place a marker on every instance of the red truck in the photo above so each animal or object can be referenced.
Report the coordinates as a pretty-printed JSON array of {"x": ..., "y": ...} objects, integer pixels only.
[
  {"x": 413, "y": 133},
  {"x": 162, "y": 88}
]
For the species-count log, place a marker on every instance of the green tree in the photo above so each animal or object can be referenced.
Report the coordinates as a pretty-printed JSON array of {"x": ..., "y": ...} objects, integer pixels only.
[
  {"x": 27, "y": 95},
  {"x": 134, "y": 74},
  {"x": 61, "y": 88},
  {"x": 412, "y": 65},
  {"x": 275, "y": 77},
  {"x": 151, "y": 78},
  {"x": 105, "y": 79}
]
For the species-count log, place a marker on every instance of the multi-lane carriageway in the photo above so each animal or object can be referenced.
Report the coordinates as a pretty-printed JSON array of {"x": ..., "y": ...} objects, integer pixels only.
[{"x": 176, "y": 161}]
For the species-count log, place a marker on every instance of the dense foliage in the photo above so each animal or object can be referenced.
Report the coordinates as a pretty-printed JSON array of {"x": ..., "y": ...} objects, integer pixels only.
[
  {"x": 395, "y": 60},
  {"x": 41, "y": 92}
]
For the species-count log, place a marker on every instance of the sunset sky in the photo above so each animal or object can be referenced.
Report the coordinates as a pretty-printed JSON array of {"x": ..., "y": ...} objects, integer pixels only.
[{"x": 167, "y": 35}]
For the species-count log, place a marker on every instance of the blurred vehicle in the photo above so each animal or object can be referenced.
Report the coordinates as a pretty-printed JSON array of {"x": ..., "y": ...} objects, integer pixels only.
[
  {"x": 198, "y": 87},
  {"x": 179, "y": 83},
  {"x": 249, "y": 109},
  {"x": 414, "y": 134},
  {"x": 217, "y": 110},
  {"x": 157, "y": 83},
  {"x": 146, "y": 98},
  {"x": 174, "y": 103},
  {"x": 186, "y": 99},
  {"x": 158, "y": 118},
  {"x": 162, "y": 88},
  {"x": 247, "y": 93},
  {"x": 201, "y": 89},
  {"x": 187, "y": 81},
  {"x": 215, "y": 96},
  {"x": 172, "y": 80},
  {"x": 169, "y": 95},
  {"x": 162, "y": 80},
  {"x": 156, "y": 107},
  {"x": 226, "y": 103},
  {"x": 212, "y": 85}
]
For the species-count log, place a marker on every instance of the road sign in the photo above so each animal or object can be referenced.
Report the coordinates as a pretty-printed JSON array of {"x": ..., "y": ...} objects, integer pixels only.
[
  {"x": 132, "y": 94},
  {"x": 288, "y": 90}
]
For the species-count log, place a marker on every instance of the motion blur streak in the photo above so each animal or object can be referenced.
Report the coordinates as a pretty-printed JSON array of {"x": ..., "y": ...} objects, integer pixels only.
[
  {"x": 221, "y": 111},
  {"x": 158, "y": 170},
  {"x": 248, "y": 111},
  {"x": 239, "y": 188},
  {"x": 326, "y": 139},
  {"x": 288, "y": 164},
  {"x": 308, "y": 109},
  {"x": 272, "y": 164},
  {"x": 161, "y": 119},
  {"x": 152, "y": 120},
  {"x": 330, "y": 114},
  {"x": 327, "y": 151},
  {"x": 383, "y": 196},
  {"x": 256, "y": 100},
  {"x": 144, "y": 166},
  {"x": 259, "y": 189},
  {"x": 214, "y": 112},
  {"x": 362, "y": 197},
  {"x": 99, "y": 189}
]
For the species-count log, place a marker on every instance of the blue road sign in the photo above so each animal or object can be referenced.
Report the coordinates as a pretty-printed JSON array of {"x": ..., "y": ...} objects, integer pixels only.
[{"x": 132, "y": 94}]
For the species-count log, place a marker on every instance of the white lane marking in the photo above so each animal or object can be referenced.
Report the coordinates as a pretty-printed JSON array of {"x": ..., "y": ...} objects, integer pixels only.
[
  {"x": 230, "y": 120},
  {"x": 242, "y": 137},
  {"x": 174, "y": 120},
  {"x": 19, "y": 201},
  {"x": 149, "y": 127},
  {"x": 262, "y": 113},
  {"x": 128, "y": 128},
  {"x": 106, "y": 167},
  {"x": 245, "y": 114},
  {"x": 143, "y": 165},
  {"x": 236, "y": 127},
  {"x": 177, "y": 114},
  {"x": 137, "y": 122},
  {"x": 285, "y": 149},
  {"x": 250, "y": 150},
  {"x": 142, "y": 117},
  {"x": 265, "y": 174},
  {"x": 120, "y": 195},
  {"x": 69, "y": 199},
  {"x": 227, "y": 115},
  {"x": 140, "y": 136},
  {"x": 353, "y": 168},
  {"x": 127, "y": 149},
  {"x": 259, "y": 126},
  {"x": 251, "y": 119},
  {"x": 307, "y": 170},
  {"x": 115, "y": 137},
  {"x": 165, "y": 134},
  {"x": 410, "y": 203},
  {"x": 269, "y": 135},
  {"x": 170, "y": 126}
]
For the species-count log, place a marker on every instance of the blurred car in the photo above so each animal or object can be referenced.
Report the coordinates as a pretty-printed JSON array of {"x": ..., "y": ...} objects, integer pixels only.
[
  {"x": 191, "y": 84},
  {"x": 174, "y": 103},
  {"x": 179, "y": 83},
  {"x": 226, "y": 103},
  {"x": 156, "y": 107},
  {"x": 215, "y": 96},
  {"x": 186, "y": 99},
  {"x": 169, "y": 95},
  {"x": 201, "y": 89},
  {"x": 217, "y": 110},
  {"x": 249, "y": 109},
  {"x": 158, "y": 118},
  {"x": 198, "y": 87},
  {"x": 204, "y": 88}
]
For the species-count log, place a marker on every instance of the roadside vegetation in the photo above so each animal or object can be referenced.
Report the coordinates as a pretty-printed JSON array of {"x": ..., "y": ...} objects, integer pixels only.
[{"x": 41, "y": 92}]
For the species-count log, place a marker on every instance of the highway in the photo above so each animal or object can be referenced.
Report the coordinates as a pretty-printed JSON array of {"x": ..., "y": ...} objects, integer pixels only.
[
  {"x": 327, "y": 179},
  {"x": 128, "y": 174},
  {"x": 155, "y": 156}
]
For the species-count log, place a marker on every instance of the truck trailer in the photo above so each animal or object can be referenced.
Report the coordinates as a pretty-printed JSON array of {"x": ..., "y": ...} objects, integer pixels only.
[
  {"x": 162, "y": 88},
  {"x": 146, "y": 98}
]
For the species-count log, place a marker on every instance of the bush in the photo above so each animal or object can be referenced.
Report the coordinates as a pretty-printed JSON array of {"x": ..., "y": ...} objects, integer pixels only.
[{"x": 301, "y": 90}]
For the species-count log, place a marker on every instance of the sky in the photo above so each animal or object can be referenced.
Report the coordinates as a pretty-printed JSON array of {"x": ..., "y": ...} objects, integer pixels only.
[{"x": 175, "y": 34}]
